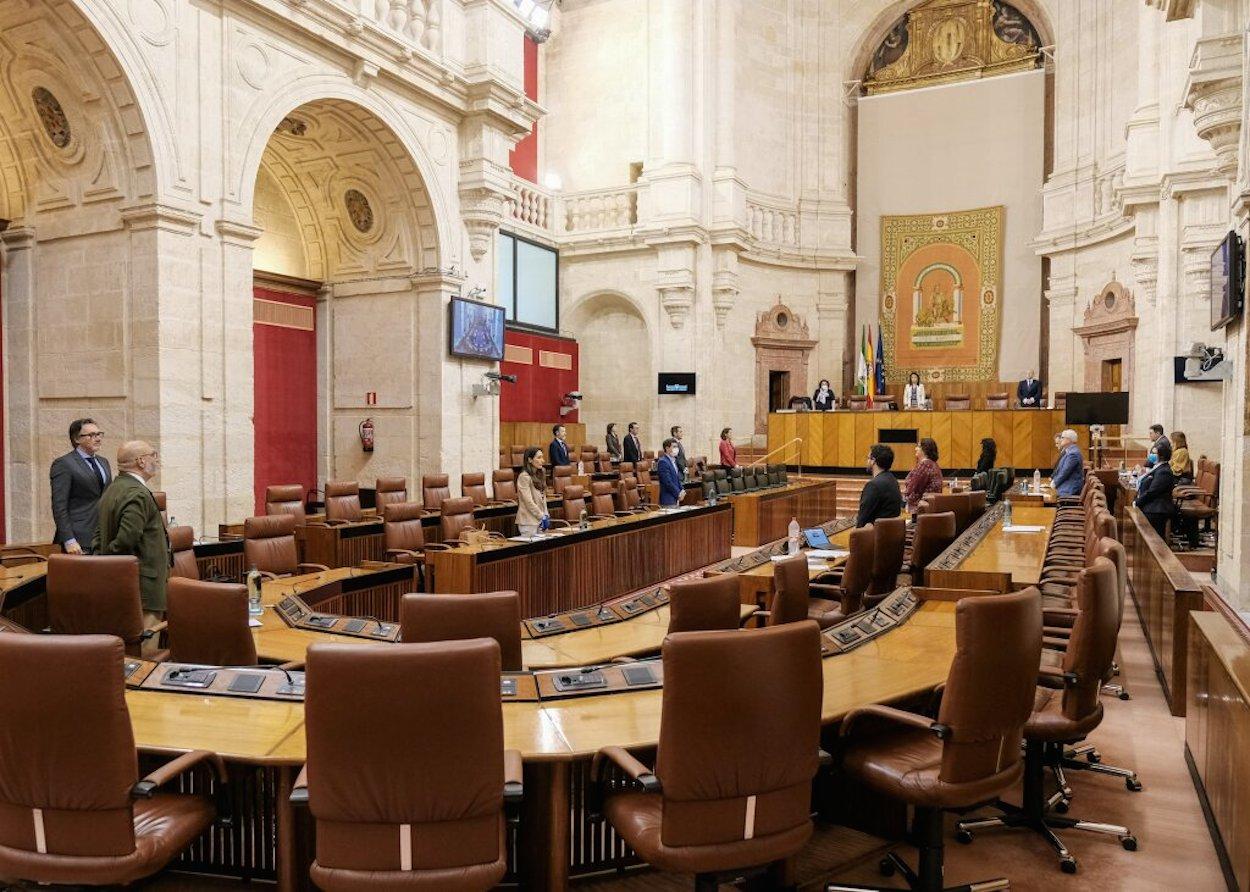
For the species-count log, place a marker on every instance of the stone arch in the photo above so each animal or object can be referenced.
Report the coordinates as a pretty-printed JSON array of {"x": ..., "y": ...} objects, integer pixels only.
[
  {"x": 617, "y": 378},
  {"x": 438, "y": 233}
]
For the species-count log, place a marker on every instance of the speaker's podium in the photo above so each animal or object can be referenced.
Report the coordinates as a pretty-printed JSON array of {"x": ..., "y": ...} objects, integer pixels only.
[{"x": 342, "y": 544}]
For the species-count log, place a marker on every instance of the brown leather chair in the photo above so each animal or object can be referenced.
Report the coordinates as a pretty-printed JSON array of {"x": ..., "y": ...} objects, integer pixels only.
[
  {"x": 561, "y": 477},
  {"x": 405, "y": 537},
  {"x": 887, "y": 560},
  {"x": 208, "y": 624},
  {"x": 457, "y": 515},
  {"x": 628, "y": 500},
  {"x": 504, "y": 483},
  {"x": 435, "y": 488},
  {"x": 625, "y": 467},
  {"x": 971, "y": 752},
  {"x": 517, "y": 456},
  {"x": 976, "y": 504},
  {"x": 574, "y": 503},
  {"x": 704, "y": 605},
  {"x": 269, "y": 546},
  {"x": 957, "y": 401},
  {"x": 73, "y": 809},
  {"x": 997, "y": 401},
  {"x": 731, "y": 789},
  {"x": 1061, "y": 400},
  {"x": 857, "y": 403},
  {"x": 845, "y": 597},
  {"x": 791, "y": 592},
  {"x": 1066, "y": 708},
  {"x": 934, "y": 533},
  {"x": 644, "y": 471},
  {"x": 473, "y": 486},
  {"x": 286, "y": 499},
  {"x": 955, "y": 502},
  {"x": 407, "y": 783},
  {"x": 389, "y": 491},
  {"x": 96, "y": 595},
  {"x": 162, "y": 501},
  {"x": 181, "y": 544},
  {"x": 494, "y": 615},
  {"x": 602, "y": 504},
  {"x": 343, "y": 501}
]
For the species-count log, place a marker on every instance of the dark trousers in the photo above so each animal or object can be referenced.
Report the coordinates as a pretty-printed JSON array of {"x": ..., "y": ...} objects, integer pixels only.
[{"x": 1160, "y": 523}]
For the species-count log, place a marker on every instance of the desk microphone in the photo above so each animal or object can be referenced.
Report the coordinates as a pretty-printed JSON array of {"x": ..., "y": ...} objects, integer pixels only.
[{"x": 381, "y": 625}]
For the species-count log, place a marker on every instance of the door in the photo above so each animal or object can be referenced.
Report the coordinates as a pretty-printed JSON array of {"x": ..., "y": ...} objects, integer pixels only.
[
  {"x": 1111, "y": 375},
  {"x": 778, "y": 391}
]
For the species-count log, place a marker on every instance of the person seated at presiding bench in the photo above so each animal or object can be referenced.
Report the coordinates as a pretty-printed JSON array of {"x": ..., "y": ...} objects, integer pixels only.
[
  {"x": 1154, "y": 492},
  {"x": 670, "y": 478},
  {"x": 1069, "y": 474},
  {"x": 880, "y": 498},
  {"x": 558, "y": 451},
  {"x": 823, "y": 399}
]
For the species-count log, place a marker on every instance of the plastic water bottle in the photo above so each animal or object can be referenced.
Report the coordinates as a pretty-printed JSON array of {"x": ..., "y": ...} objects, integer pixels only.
[
  {"x": 584, "y": 521},
  {"x": 1037, "y": 481},
  {"x": 794, "y": 536},
  {"x": 1007, "y": 514},
  {"x": 254, "y": 606}
]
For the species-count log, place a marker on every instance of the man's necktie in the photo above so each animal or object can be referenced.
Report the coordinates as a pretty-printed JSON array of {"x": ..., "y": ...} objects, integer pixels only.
[{"x": 99, "y": 471}]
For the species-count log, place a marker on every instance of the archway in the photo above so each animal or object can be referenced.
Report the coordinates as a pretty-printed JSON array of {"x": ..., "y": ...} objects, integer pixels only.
[
  {"x": 78, "y": 266},
  {"x": 345, "y": 223},
  {"x": 618, "y": 377}
]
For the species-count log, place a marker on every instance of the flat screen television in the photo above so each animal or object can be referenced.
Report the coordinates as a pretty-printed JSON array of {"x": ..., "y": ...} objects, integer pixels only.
[
  {"x": 1228, "y": 281},
  {"x": 676, "y": 384},
  {"x": 476, "y": 329},
  {"x": 1096, "y": 408}
]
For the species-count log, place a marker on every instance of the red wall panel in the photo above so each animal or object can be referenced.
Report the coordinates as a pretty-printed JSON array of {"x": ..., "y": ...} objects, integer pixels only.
[
  {"x": 539, "y": 390},
  {"x": 524, "y": 157},
  {"x": 285, "y": 411}
]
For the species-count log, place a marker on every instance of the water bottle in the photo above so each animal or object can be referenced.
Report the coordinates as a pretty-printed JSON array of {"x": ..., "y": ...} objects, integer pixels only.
[
  {"x": 584, "y": 521},
  {"x": 581, "y": 468},
  {"x": 254, "y": 606},
  {"x": 794, "y": 536},
  {"x": 1037, "y": 481},
  {"x": 1007, "y": 514},
  {"x": 1024, "y": 487}
]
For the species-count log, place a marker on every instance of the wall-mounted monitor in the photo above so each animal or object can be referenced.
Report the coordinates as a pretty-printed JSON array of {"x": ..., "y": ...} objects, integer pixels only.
[
  {"x": 1096, "y": 408},
  {"x": 476, "y": 329},
  {"x": 676, "y": 384},
  {"x": 1228, "y": 281}
]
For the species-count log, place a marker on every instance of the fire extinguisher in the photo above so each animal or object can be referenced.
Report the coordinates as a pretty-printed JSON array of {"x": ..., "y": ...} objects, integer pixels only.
[{"x": 366, "y": 434}]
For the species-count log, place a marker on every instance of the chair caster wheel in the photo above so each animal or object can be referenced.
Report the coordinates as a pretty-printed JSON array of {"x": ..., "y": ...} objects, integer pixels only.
[
  {"x": 963, "y": 836},
  {"x": 1133, "y": 784},
  {"x": 1129, "y": 843},
  {"x": 1068, "y": 865},
  {"x": 886, "y": 867},
  {"x": 1062, "y": 806},
  {"x": 1124, "y": 695},
  {"x": 1093, "y": 758}
]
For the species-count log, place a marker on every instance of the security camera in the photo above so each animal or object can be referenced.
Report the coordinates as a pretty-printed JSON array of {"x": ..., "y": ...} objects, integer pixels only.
[
  {"x": 1205, "y": 363},
  {"x": 573, "y": 395},
  {"x": 476, "y": 292},
  {"x": 497, "y": 376}
]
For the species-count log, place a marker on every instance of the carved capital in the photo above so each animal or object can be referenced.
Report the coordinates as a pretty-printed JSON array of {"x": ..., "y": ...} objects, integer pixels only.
[
  {"x": 482, "y": 211},
  {"x": 1146, "y": 275},
  {"x": 676, "y": 301},
  {"x": 1213, "y": 93}
]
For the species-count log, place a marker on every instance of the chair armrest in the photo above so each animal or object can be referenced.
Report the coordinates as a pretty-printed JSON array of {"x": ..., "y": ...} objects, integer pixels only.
[
  {"x": 299, "y": 791},
  {"x": 513, "y": 777},
  {"x": 336, "y": 522},
  {"x": 318, "y": 568},
  {"x": 147, "y": 787},
  {"x": 1059, "y": 619},
  {"x": 272, "y": 577},
  {"x": 413, "y": 553},
  {"x": 1054, "y": 677},
  {"x": 1063, "y": 633},
  {"x": 292, "y": 666},
  {"x": 890, "y": 714},
  {"x": 761, "y": 615},
  {"x": 834, "y": 592},
  {"x": 556, "y": 522},
  {"x": 624, "y": 760},
  {"x": 436, "y": 546},
  {"x": 155, "y": 630},
  {"x": 1051, "y": 643}
]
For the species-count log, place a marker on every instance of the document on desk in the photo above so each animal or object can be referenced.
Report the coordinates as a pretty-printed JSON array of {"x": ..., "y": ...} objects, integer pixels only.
[
  {"x": 254, "y": 623},
  {"x": 1022, "y": 528},
  {"x": 826, "y": 553}
]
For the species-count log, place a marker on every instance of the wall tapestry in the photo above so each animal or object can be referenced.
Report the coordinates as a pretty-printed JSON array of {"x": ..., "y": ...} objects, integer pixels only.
[{"x": 941, "y": 283}]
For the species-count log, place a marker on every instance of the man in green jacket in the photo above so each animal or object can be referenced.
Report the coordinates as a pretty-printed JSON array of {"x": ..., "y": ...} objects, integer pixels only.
[{"x": 131, "y": 523}]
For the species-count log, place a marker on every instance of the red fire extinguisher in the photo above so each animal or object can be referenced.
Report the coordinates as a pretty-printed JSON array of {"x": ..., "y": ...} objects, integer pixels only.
[{"x": 366, "y": 434}]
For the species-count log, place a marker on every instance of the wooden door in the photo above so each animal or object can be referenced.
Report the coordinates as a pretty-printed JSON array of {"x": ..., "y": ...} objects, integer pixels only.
[{"x": 778, "y": 391}]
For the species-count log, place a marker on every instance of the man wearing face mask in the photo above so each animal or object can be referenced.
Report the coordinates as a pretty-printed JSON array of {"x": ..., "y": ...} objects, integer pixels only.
[
  {"x": 130, "y": 523},
  {"x": 670, "y": 479}
]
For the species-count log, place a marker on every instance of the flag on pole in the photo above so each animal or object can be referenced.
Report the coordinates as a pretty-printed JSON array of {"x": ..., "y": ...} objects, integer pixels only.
[
  {"x": 880, "y": 362},
  {"x": 861, "y": 368},
  {"x": 870, "y": 362}
]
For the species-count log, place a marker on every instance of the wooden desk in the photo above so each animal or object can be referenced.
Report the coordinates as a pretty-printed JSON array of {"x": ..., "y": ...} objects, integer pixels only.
[
  {"x": 765, "y": 514},
  {"x": 581, "y": 568},
  {"x": 23, "y": 594},
  {"x": 755, "y": 585},
  {"x": 841, "y": 440},
  {"x": 342, "y": 545},
  {"x": 986, "y": 558}
]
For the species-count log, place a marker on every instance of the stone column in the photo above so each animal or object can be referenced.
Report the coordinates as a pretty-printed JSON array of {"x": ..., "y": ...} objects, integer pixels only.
[
  {"x": 832, "y": 317},
  {"x": 1065, "y": 369},
  {"x": 25, "y": 482}
]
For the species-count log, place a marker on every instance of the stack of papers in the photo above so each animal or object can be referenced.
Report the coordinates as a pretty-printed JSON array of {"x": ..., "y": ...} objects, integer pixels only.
[
  {"x": 1022, "y": 528},
  {"x": 827, "y": 553}
]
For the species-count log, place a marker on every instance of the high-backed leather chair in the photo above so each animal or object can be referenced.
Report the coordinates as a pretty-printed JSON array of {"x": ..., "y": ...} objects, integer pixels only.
[
  {"x": 955, "y": 502},
  {"x": 627, "y": 498},
  {"x": 996, "y": 400},
  {"x": 602, "y": 505},
  {"x": 845, "y": 597},
  {"x": 435, "y": 488},
  {"x": 562, "y": 477},
  {"x": 494, "y": 615},
  {"x": 977, "y": 500},
  {"x": 723, "y": 486},
  {"x": 389, "y": 491},
  {"x": 934, "y": 533},
  {"x": 287, "y": 498},
  {"x": 457, "y": 515},
  {"x": 343, "y": 501},
  {"x": 731, "y": 787},
  {"x": 269, "y": 546},
  {"x": 749, "y": 481},
  {"x": 774, "y": 475},
  {"x": 162, "y": 502},
  {"x": 625, "y": 467},
  {"x": 887, "y": 561},
  {"x": 516, "y": 457},
  {"x": 1065, "y": 710},
  {"x": 972, "y": 751},
  {"x": 791, "y": 592},
  {"x": 96, "y": 595},
  {"x": 857, "y": 403},
  {"x": 504, "y": 483},
  {"x": 736, "y": 483},
  {"x": 473, "y": 486},
  {"x": 181, "y": 545},
  {"x": 574, "y": 502},
  {"x": 709, "y": 485},
  {"x": 407, "y": 782},
  {"x": 1061, "y": 400},
  {"x": 208, "y": 624},
  {"x": 75, "y": 811},
  {"x": 704, "y": 605},
  {"x": 958, "y": 401},
  {"x": 644, "y": 471},
  {"x": 405, "y": 537}
]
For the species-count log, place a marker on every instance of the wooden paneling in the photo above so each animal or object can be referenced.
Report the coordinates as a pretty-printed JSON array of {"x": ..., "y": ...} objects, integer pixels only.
[
  {"x": 344, "y": 545},
  {"x": 984, "y": 557},
  {"x": 1025, "y": 437},
  {"x": 765, "y": 515},
  {"x": 538, "y": 433},
  {"x": 1165, "y": 593}
]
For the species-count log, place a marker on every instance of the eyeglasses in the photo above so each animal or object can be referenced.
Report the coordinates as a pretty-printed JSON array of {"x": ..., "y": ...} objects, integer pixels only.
[{"x": 95, "y": 435}]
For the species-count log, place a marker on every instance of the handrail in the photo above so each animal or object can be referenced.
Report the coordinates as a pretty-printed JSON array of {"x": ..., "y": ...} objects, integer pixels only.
[{"x": 790, "y": 442}]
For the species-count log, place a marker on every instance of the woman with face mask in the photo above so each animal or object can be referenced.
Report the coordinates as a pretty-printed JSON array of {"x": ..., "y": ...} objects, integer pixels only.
[
  {"x": 823, "y": 399},
  {"x": 670, "y": 479}
]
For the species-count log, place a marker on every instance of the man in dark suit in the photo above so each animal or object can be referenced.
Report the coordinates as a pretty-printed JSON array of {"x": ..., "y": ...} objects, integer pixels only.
[
  {"x": 1154, "y": 491},
  {"x": 131, "y": 523},
  {"x": 1158, "y": 439},
  {"x": 558, "y": 451},
  {"x": 633, "y": 446},
  {"x": 671, "y": 491},
  {"x": 78, "y": 480},
  {"x": 881, "y": 498},
  {"x": 680, "y": 459},
  {"x": 1029, "y": 392}
]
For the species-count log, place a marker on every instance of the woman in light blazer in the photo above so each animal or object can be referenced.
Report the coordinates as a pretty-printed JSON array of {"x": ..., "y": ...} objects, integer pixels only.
[
  {"x": 614, "y": 444},
  {"x": 531, "y": 493},
  {"x": 913, "y": 393}
]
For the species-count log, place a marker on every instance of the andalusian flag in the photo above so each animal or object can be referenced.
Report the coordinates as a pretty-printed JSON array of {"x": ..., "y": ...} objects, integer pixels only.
[
  {"x": 861, "y": 367},
  {"x": 870, "y": 362}
]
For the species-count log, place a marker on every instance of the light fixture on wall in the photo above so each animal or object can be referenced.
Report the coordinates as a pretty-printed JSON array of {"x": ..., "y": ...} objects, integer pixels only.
[
  {"x": 537, "y": 15},
  {"x": 553, "y": 182}
]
